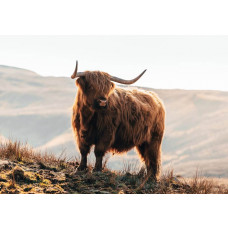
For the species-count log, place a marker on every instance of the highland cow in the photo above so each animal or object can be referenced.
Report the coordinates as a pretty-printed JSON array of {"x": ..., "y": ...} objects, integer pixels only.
[{"x": 117, "y": 119}]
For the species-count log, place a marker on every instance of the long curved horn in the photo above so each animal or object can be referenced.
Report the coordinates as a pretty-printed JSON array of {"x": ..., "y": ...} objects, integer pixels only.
[
  {"x": 77, "y": 74},
  {"x": 122, "y": 81}
]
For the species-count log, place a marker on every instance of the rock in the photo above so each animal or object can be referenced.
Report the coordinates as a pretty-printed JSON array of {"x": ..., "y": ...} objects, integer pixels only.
[
  {"x": 52, "y": 190},
  {"x": 3, "y": 162},
  {"x": 95, "y": 191},
  {"x": 59, "y": 178},
  {"x": 18, "y": 173},
  {"x": 27, "y": 189},
  {"x": 104, "y": 192}
]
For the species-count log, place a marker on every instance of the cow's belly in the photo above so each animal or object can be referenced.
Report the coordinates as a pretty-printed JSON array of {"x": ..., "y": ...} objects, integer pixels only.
[
  {"x": 123, "y": 140},
  {"x": 122, "y": 147}
]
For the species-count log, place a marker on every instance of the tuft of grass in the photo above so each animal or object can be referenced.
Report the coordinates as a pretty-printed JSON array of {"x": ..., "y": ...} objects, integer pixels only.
[
  {"x": 23, "y": 153},
  {"x": 132, "y": 167}
]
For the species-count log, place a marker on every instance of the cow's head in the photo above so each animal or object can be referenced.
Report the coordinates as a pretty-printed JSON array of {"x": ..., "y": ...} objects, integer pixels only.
[{"x": 97, "y": 86}]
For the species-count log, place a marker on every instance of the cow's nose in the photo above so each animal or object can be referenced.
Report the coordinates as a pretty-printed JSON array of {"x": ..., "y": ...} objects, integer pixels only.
[{"x": 102, "y": 102}]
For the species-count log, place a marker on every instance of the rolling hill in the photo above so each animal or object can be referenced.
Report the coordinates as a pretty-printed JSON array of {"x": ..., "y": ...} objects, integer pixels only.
[{"x": 37, "y": 110}]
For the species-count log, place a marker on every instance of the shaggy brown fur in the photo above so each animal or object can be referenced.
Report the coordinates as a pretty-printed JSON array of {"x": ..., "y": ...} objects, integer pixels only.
[{"x": 132, "y": 118}]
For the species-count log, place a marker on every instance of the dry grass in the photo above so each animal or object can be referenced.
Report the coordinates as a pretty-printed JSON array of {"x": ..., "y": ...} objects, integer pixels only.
[
  {"x": 127, "y": 180},
  {"x": 16, "y": 151},
  {"x": 131, "y": 167}
]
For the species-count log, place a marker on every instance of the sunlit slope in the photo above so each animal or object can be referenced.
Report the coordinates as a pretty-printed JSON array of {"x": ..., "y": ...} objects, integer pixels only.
[
  {"x": 196, "y": 132},
  {"x": 33, "y": 108}
]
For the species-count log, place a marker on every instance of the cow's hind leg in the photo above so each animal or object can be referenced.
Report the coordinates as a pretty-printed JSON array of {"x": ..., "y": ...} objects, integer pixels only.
[
  {"x": 153, "y": 159},
  {"x": 154, "y": 152},
  {"x": 151, "y": 154},
  {"x": 141, "y": 150}
]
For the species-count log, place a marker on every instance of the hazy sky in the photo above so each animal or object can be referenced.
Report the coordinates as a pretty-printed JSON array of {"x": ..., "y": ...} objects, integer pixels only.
[{"x": 185, "y": 62}]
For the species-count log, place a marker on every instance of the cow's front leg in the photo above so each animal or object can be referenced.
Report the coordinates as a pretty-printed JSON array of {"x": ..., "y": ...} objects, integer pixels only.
[
  {"x": 99, "y": 151},
  {"x": 99, "y": 157},
  {"x": 103, "y": 145},
  {"x": 84, "y": 150}
]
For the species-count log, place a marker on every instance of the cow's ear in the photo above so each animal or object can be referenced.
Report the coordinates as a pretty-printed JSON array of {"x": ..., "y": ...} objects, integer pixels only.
[
  {"x": 81, "y": 83},
  {"x": 112, "y": 85}
]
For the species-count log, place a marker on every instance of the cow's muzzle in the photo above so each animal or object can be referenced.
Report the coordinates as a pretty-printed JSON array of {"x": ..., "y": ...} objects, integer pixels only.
[{"x": 102, "y": 102}]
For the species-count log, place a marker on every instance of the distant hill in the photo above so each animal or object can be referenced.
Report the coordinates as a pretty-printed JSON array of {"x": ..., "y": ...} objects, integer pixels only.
[{"x": 37, "y": 110}]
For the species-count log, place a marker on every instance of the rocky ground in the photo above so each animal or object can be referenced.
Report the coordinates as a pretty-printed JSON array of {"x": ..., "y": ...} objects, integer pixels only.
[
  {"x": 24, "y": 171},
  {"x": 37, "y": 178},
  {"x": 20, "y": 177}
]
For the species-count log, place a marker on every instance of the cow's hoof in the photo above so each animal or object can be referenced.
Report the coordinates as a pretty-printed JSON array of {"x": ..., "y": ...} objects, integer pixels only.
[
  {"x": 97, "y": 170},
  {"x": 82, "y": 168}
]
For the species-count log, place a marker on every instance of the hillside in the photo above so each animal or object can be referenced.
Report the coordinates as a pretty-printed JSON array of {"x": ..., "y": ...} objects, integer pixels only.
[
  {"x": 37, "y": 110},
  {"x": 22, "y": 171}
]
